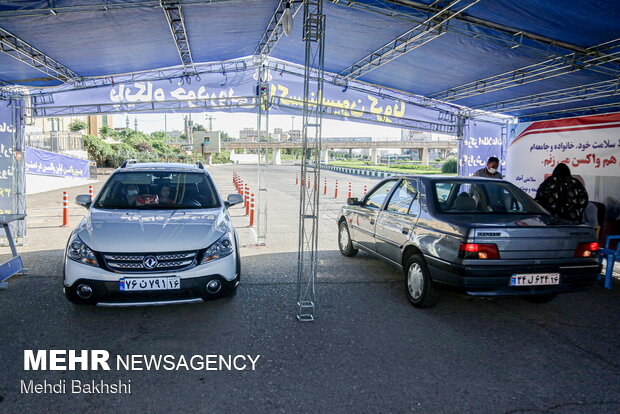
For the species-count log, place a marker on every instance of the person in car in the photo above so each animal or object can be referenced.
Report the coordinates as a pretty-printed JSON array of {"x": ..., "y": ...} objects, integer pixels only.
[
  {"x": 563, "y": 195},
  {"x": 164, "y": 195},
  {"x": 131, "y": 192},
  {"x": 490, "y": 171}
]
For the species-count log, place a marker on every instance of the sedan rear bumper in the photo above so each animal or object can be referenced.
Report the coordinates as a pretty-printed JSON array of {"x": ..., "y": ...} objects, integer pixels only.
[{"x": 494, "y": 280}]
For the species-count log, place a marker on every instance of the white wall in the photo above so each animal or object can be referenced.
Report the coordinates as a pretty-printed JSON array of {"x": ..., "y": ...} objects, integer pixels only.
[
  {"x": 42, "y": 183},
  {"x": 244, "y": 158}
]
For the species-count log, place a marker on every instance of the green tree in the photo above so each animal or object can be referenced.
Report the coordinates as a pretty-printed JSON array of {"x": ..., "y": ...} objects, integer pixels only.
[
  {"x": 199, "y": 127},
  {"x": 450, "y": 166},
  {"x": 105, "y": 131},
  {"x": 76, "y": 125}
]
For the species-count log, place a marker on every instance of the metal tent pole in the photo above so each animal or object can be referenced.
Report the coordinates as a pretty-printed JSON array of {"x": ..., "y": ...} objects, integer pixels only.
[
  {"x": 307, "y": 255},
  {"x": 262, "y": 118}
]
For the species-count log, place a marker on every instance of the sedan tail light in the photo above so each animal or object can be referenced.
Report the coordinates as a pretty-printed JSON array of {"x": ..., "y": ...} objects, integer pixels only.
[
  {"x": 586, "y": 250},
  {"x": 478, "y": 251}
]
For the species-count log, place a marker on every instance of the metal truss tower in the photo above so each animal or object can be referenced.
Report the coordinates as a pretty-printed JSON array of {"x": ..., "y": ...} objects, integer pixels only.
[
  {"x": 307, "y": 253},
  {"x": 262, "y": 121}
]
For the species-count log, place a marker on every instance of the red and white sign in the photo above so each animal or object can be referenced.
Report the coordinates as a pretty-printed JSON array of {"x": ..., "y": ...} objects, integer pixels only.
[{"x": 589, "y": 145}]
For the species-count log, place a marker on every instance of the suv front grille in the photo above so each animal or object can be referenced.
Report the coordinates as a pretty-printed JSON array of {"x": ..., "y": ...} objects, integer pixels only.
[{"x": 149, "y": 262}]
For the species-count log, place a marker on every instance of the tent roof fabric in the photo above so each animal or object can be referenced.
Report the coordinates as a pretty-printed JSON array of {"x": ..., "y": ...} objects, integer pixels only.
[{"x": 106, "y": 38}]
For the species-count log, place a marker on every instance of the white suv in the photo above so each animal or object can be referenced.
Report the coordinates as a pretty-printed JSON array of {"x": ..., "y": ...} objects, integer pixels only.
[{"x": 156, "y": 233}]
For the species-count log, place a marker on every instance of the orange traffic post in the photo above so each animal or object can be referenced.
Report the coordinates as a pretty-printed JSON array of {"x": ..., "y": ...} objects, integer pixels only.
[
  {"x": 65, "y": 209},
  {"x": 252, "y": 210},
  {"x": 325, "y": 188},
  {"x": 90, "y": 193},
  {"x": 241, "y": 187},
  {"x": 308, "y": 182},
  {"x": 365, "y": 190},
  {"x": 296, "y": 179},
  {"x": 302, "y": 181},
  {"x": 247, "y": 200},
  {"x": 336, "y": 191},
  {"x": 349, "y": 193}
]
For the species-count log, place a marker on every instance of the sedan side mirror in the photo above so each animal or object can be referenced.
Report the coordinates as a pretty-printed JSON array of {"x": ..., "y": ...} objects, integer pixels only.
[
  {"x": 353, "y": 201},
  {"x": 83, "y": 200},
  {"x": 233, "y": 199}
]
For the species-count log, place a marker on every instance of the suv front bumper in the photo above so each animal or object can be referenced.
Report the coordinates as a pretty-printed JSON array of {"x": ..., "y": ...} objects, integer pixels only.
[{"x": 106, "y": 285}]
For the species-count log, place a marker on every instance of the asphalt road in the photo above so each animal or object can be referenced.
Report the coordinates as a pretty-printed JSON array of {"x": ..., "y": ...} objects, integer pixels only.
[{"x": 368, "y": 351}]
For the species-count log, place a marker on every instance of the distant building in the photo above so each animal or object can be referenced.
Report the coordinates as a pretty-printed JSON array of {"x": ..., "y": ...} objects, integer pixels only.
[
  {"x": 206, "y": 141},
  {"x": 279, "y": 134},
  {"x": 93, "y": 124},
  {"x": 250, "y": 134},
  {"x": 294, "y": 135},
  {"x": 411, "y": 135}
]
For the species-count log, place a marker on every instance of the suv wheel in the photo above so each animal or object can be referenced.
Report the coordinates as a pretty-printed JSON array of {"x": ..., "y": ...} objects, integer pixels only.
[
  {"x": 419, "y": 286},
  {"x": 344, "y": 241}
]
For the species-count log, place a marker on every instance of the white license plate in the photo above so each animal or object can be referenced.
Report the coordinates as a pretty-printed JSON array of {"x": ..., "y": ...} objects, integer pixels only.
[
  {"x": 149, "y": 283},
  {"x": 535, "y": 279}
]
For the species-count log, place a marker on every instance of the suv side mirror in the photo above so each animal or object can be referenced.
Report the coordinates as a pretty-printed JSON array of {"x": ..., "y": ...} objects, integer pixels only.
[
  {"x": 353, "y": 201},
  {"x": 83, "y": 200},
  {"x": 233, "y": 199}
]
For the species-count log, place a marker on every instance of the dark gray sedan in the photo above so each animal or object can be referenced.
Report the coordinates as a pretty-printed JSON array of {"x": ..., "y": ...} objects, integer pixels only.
[{"x": 482, "y": 236}]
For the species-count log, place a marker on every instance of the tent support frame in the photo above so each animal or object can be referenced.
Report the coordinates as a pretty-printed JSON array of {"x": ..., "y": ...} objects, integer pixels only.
[
  {"x": 176, "y": 23},
  {"x": 27, "y": 54},
  {"x": 307, "y": 253}
]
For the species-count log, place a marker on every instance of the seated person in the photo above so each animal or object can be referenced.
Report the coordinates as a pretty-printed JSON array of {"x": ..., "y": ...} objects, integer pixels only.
[
  {"x": 131, "y": 192},
  {"x": 164, "y": 195}
]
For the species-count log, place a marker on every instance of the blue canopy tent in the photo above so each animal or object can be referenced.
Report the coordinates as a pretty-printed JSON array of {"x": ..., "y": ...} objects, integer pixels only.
[
  {"x": 529, "y": 59},
  {"x": 454, "y": 63}
]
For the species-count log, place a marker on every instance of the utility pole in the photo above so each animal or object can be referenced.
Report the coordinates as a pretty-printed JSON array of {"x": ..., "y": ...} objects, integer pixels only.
[
  {"x": 165, "y": 127},
  {"x": 210, "y": 118},
  {"x": 190, "y": 130},
  {"x": 292, "y": 127}
]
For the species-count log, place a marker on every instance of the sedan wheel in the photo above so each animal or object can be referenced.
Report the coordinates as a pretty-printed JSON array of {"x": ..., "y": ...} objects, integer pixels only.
[
  {"x": 420, "y": 289},
  {"x": 415, "y": 281},
  {"x": 344, "y": 241}
]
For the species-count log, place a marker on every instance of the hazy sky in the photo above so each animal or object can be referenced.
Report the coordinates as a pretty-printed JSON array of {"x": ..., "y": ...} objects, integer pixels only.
[{"x": 233, "y": 123}]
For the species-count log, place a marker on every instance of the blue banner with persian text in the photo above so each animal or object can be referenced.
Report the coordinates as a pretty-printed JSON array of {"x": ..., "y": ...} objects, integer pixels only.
[
  {"x": 7, "y": 157},
  {"x": 481, "y": 140},
  {"x": 49, "y": 163},
  {"x": 237, "y": 92}
]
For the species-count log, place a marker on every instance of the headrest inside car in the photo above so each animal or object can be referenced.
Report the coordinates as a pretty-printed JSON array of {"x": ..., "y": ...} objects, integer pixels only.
[{"x": 464, "y": 202}]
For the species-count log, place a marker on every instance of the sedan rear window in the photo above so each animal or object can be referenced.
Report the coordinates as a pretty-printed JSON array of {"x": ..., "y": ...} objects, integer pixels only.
[
  {"x": 142, "y": 190},
  {"x": 488, "y": 196}
]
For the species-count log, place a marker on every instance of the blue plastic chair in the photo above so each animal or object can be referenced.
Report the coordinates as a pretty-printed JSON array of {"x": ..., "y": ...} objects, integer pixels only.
[{"x": 611, "y": 256}]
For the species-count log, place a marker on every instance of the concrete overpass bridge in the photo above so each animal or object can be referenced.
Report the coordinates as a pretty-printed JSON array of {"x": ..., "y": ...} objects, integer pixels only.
[{"x": 422, "y": 146}]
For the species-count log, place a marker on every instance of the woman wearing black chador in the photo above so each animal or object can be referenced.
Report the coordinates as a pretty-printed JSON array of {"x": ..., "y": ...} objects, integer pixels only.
[{"x": 563, "y": 195}]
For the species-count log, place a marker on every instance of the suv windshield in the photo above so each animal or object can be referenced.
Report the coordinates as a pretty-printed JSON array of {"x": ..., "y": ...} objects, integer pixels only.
[
  {"x": 488, "y": 196},
  {"x": 158, "y": 190}
]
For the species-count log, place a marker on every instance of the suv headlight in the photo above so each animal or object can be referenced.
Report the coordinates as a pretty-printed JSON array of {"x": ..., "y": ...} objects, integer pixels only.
[
  {"x": 221, "y": 248},
  {"x": 78, "y": 251}
]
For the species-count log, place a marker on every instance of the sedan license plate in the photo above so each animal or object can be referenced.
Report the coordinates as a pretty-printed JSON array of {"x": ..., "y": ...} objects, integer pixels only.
[
  {"x": 535, "y": 279},
  {"x": 149, "y": 283}
]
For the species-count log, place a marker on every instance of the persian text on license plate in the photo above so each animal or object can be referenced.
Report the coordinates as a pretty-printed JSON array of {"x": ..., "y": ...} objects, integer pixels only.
[
  {"x": 535, "y": 279},
  {"x": 149, "y": 283}
]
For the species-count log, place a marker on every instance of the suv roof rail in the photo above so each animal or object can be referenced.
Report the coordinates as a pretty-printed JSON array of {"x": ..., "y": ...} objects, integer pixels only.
[
  {"x": 129, "y": 161},
  {"x": 200, "y": 165}
]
